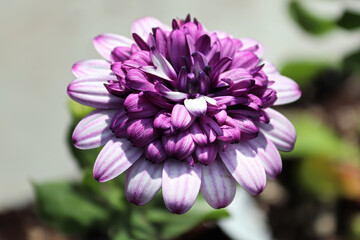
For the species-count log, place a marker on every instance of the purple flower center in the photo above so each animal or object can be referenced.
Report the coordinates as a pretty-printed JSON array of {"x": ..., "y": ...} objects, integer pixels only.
[{"x": 187, "y": 91}]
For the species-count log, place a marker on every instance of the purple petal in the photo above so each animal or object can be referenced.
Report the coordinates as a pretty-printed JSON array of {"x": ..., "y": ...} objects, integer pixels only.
[
  {"x": 245, "y": 166},
  {"x": 155, "y": 72},
  {"x": 115, "y": 158},
  {"x": 180, "y": 185},
  {"x": 94, "y": 130},
  {"x": 162, "y": 64},
  {"x": 253, "y": 46},
  {"x": 245, "y": 59},
  {"x": 143, "y": 27},
  {"x": 141, "y": 131},
  {"x": 217, "y": 185},
  {"x": 178, "y": 48},
  {"x": 155, "y": 152},
  {"x": 287, "y": 90},
  {"x": 179, "y": 146},
  {"x": 143, "y": 181},
  {"x": 279, "y": 130},
  {"x": 268, "y": 155},
  {"x": 198, "y": 135},
  {"x": 206, "y": 154},
  {"x": 181, "y": 118},
  {"x": 162, "y": 120},
  {"x": 91, "y": 67},
  {"x": 237, "y": 75},
  {"x": 90, "y": 91},
  {"x": 203, "y": 44},
  {"x": 136, "y": 80},
  {"x": 105, "y": 43},
  {"x": 196, "y": 107},
  {"x": 138, "y": 106},
  {"x": 120, "y": 54},
  {"x": 119, "y": 123}
]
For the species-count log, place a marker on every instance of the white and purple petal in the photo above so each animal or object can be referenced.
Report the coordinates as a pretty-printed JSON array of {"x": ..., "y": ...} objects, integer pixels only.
[
  {"x": 115, "y": 158},
  {"x": 217, "y": 185},
  {"x": 180, "y": 186},
  {"x": 287, "y": 90},
  {"x": 143, "y": 26},
  {"x": 143, "y": 181},
  {"x": 91, "y": 67},
  {"x": 196, "y": 106},
  {"x": 105, "y": 43},
  {"x": 94, "y": 130}
]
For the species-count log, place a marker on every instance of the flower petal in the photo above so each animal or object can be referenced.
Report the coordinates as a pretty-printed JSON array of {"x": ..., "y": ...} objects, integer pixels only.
[
  {"x": 105, "y": 43},
  {"x": 217, "y": 185},
  {"x": 94, "y": 130},
  {"x": 287, "y": 90},
  {"x": 253, "y": 46},
  {"x": 162, "y": 64},
  {"x": 143, "y": 181},
  {"x": 91, "y": 67},
  {"x": 245, "y": 166},
  {"x": 144, "y": 26},
  {"x": 181, "y": 118},
  {"x": 90, "y": 91},
  {"x": 268, "y": 154},
  {"x": 197, "y": 106},
  {"x": 279, "y": 130},
  {"x": 115, "y": 158},
  {"x": 181, "y": 184}
]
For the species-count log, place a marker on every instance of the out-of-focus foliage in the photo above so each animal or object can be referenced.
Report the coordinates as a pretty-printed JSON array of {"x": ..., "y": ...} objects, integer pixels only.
[{"x": 350, "y": 20}]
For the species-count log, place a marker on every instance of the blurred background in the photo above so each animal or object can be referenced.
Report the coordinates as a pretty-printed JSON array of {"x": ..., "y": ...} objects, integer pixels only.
[{"x": 317, "y": 43}]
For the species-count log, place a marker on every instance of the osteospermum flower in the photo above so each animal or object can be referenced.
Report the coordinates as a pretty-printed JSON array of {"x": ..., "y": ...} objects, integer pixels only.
[{"x": 183, "y": 109}]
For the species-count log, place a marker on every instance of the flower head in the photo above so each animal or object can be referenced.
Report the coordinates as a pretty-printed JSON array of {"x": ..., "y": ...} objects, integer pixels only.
[{"x": 185, "y": 110}]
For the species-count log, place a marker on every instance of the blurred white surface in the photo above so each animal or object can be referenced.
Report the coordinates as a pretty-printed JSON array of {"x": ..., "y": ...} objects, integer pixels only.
[{"x": 41, "y": 39}]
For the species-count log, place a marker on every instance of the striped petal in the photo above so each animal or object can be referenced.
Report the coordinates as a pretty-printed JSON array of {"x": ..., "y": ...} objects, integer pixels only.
[
  {"x": 279, "y": 130},
  {"x": 181, "y": 185},
  {"x": 287, "y": 90},
  {"x": 143, "y": 27},
  {"x": 105, "y": 43},
  {"x": 196, "y": 107},
  {"x": 217, "y": 185},
  {"x": 268, "y": 154},
  {"x": 94, "y": 130},
  {"x": 115, "y": 158},
  {"x": 143, "y": 181},
  {"x": 90, "y": 91},
  {"x": 91, "y": 67},
  {"x": 245, "y": 166}
]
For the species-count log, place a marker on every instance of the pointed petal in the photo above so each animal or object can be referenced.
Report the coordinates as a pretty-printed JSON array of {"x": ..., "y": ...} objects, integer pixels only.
[
  {"x": 279, "y": 130},
  {"x": 162, "y": 64},
  {"x": 143, "y": 27},
  {"x": 245, "y": 166},
  {"x": 181, "y": 185},
  {"x": 268, "y": 154},
  {"x": 253, "y": 46},
  {"x": 287, "y": 90},
  {"x": 143, "y": 181},
  {"x": 94, "y": 130},
  {"x": 115, "y": 158},
  {"x": 196, "y": 107},
  {"x": 217, "y": 185},
  {"x": 90, "y": 91},
  {"x": 105, "y": 43},
  {"x": 91, "y": 66}
]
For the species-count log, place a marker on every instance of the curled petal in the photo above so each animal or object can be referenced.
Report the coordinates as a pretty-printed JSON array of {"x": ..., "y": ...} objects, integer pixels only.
[
  {"x": 196, "y": 107},
  {"x": 279, "y": 130},
  {"x": 178, "y": 48},
  {"x": 91, "y": 67},
  {"x": 90, "y": 91},
  {"x": 162, "y": 64},
  {"x": 115, "y": 158},
  {"x": 154, "y": 152},
  {"x": 268, "y": 155},
  {"x": 206, "y": 154},
  {"x": 143, "y": 181},
  {"x": 93, "y": 131},
  {"x": 137, "y": 106},
  {"x": 162, "y": 120},
  {"x": 141, "y": 131},
  {"x": 198, "y": 135},
  {"x": 287, "y": 90},
  {"x": 217, "y": 185},
  {"x": 180, "y": 117},
  {"x": 105, "y": 43},
  {"x": 181, "y": 185},
  {"x": 245, "y": 166},
  {"x": 245, "y": 59},
  {"x": 143, "y": 27},
  {"x": 135, "y": 79},
  {"x": 179, "y": 146}
]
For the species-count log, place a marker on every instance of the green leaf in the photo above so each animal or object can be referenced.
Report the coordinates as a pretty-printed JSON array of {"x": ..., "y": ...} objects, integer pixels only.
[
  {"x": 350, "y": 20},
  {"x": 355, "y": 226},
  {"x": 79, "y": 111},
  {"x": 65, "y": 207},
  {"x": 351, "y": 62},
  {"x": 141, "y": 227},
  {"x": 303, "y": 71},
  {"x": 309, "y": 22},
  {"x": 316, "y": 139}
]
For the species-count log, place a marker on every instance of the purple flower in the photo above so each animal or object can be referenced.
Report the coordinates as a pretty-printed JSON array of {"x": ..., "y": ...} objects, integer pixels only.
[{"x": 185, "y": 110}]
